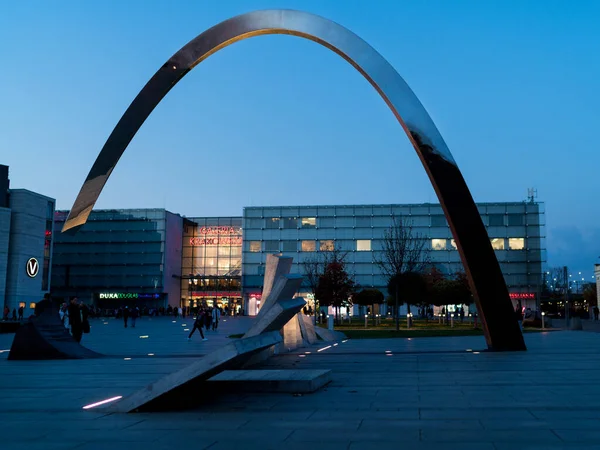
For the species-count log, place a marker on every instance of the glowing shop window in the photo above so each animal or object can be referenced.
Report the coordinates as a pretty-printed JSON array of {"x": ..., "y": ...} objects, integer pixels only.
[
  {"x": 453, "y": 244},
  {"x": 498, "y": 243},
  {"x": 438, "y": 244},
  {"x": 255, "y": 246},
  {"x": 309, "y": 246},
  {"x": 32, "y": 305},
  {"x": 363, "y": 245},
  {"x": 326, "y": 246},
  {"x": 22, "y": 305},
  {"x": 516, "y": 243},
  {"x": 309, "y": 222}
]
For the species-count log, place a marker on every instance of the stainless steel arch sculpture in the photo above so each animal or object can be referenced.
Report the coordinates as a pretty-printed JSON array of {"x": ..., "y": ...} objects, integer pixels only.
[{"x": 487, "y": 283}]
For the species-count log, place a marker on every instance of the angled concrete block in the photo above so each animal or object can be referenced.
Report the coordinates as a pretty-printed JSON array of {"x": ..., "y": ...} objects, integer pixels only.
[
  {"x": 292, "y": 334},
  {"x": 285, "y": 287},
  {"x": 275, "y": 267},
  {"x": 183, "y": 388},
  {"x": 307, "y": 328},
  {"x": 276, "y": 317}
]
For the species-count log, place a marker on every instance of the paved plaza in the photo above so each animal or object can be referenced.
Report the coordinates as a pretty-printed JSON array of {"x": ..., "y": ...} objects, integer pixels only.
[{"x": 428, "y": 393}]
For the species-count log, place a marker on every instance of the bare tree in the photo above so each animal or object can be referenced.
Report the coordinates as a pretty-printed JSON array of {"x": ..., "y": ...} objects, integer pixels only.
[{"x": 402, "y": 251}]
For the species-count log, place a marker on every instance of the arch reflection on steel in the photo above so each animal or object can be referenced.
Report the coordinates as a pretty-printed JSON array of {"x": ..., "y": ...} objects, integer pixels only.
[{"x": 485, "y": 277}]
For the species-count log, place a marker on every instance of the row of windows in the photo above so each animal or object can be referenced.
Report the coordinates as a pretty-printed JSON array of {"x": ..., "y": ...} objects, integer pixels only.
[
  {"x": 364, "y": 245},
  {"x": 492, "y": 220}
]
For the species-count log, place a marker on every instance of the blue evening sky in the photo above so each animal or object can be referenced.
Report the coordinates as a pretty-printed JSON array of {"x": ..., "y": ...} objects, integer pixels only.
[{"x": 277, "y": 120}]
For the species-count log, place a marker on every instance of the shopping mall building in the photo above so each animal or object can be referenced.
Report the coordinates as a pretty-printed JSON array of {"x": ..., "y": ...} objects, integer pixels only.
[{"x": 157, "y": 258}]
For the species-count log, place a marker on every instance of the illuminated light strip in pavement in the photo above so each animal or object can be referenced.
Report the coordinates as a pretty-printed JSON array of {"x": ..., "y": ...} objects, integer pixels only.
[
  {"x": 103, "y": 402},
  {"x": 343, "y": 342},
  {"x": 4, "y": 351},
  {"x": 150, "y": 354},
  {"x": 476, "y": 353},
  {"x": 127, "y": 359},
  {"x": 336, "y": 344},
  {"x": 324, "y": 348},
  {"x": 389, "y": 354},
  {"x": 144, "y": 337}
]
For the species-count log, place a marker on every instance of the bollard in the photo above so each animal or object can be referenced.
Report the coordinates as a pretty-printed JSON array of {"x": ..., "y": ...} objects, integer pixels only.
[
  {"x": 451, "y": 320},
  {"x": 543, "y": 320},
  {"x": 366, "y": 318}
]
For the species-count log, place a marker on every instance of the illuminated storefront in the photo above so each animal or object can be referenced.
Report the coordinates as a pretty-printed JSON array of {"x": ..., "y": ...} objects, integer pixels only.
[{"x": 212, "y": 262}]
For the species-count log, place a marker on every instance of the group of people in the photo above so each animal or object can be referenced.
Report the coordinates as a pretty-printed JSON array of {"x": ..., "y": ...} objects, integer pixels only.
[
  {"x": 6, "y": 314},
  {"x": 206, "y": 318},
  {"x": 75, "y": 316}
]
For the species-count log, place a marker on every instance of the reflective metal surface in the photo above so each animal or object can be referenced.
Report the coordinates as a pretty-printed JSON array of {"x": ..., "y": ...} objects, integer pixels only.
[{"x": 490, "y": 291}]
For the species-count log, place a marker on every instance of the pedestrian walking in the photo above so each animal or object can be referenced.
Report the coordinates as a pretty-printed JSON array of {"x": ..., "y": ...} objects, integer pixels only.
[
  {"x": 198, "y": 325},
  {"x": 14, "y": 314},
  {"x": 216, "y": 315},
  {"x": 596, "y": 312},
  {"x": 519, "y": 315},
  {"x": 135, "y": 312},
  {"x": 208, "y": 319},
  {"x": 20, "y": 313},
  {"x": 125, "y": 315},
  {"x": 75, "y": 319}
]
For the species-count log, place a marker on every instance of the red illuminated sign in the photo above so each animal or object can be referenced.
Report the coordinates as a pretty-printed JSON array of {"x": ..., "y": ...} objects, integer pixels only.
[
  {"x": 217, "y": 294},
  {"x": 521, "y": 295},
  {"x": 198, "y": 241},
  {"x": 220, "y": 231}
]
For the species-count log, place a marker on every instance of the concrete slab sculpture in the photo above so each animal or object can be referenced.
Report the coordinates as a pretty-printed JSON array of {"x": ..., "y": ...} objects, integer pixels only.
[
  {"x": 180, "y": 389},
  {"x": 483, "y": 271},
  {"x": 284, "y": 381},
  {"x": 45, "y": 337}
]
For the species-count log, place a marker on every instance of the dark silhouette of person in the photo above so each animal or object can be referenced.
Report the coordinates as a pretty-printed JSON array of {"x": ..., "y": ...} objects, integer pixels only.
[
  {"x": 198, "y": 325},
  {"x": 75, "y": 319},
  {"x": 596, "y": 312},
  {"x": 125, "y": 316},
  {"x": 14, "y": 314},
  {"x": 20, "y": 313}
]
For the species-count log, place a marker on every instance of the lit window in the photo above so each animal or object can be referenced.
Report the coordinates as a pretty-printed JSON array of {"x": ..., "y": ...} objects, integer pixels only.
[
  {"x": 326, "y": 246},
  {"x": 309, "y": 246},
  {"x": 32, "y": 305},
  {"x": 453, "y": 244},
  {"x": 271, "y": 246},
  {"x": 309, "y": 222},
  {"x": 438, "y": 244},
  {"x": 272, "y": 222},
  {"x": 498, "y": 243},
  {"x": 363, "y": 245},
  {"x": 516, "y": 243},
  {"x": 22, "y": 305},
  {"x": 255, "y": 246}
]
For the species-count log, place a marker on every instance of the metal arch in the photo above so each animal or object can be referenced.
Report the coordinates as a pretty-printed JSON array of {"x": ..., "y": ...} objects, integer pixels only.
[{"x": 487, "y": 282}]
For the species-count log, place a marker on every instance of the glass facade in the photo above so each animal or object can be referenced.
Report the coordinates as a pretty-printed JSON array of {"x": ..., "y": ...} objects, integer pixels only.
[
  {"x": 212, "y": 261},
  {"x": 516, "y": 232},
  {"x": 119, "y": 257}
]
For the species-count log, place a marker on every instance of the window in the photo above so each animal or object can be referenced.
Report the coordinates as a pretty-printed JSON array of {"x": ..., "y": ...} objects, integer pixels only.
[
  {"x": 326, "y": 246},
  {"x": 255, "y": 246},
  {"x": 496, "y": 220},
  {"x": 453, "y": 244},
  {"x": 516, "y": 220},
  {"x": 498, "y": 243},
  {"x": 271, "y": 246},
  {"x": 438, "y": 244},
  {"x": 309, "y": 222},
  {"x": 438, "y": 221},
  {"x": 290, "y": 222},
  {"x": 516, "y": 243},
  {"x": 325, "y": 222},
  {"x": 309, "y": 246},
  {"x": 254, "y": 223},
  {"x": 363, "y": 222},
  {"x": 272, "y": 222},
  {"x": 363, "y": 245},
  {"x": 289, "y": 246}
]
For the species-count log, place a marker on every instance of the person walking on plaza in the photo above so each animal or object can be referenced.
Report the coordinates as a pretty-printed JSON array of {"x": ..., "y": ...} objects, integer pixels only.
[
  {"x": 208, "y": 319},
  {"x": 20, "y": 313},
  {"x": 74, "y": 311},
  {"x": 134, "y": 315},
  {"x": 596, "y": 312},
  {"x": 519, "y": 314},
  {"x": 125, "y": 315},
  {"x": 6, "y": 313},
  {"x": 216, "y": 315},
  {"x": 14, "y": 315},
  {"x": 198, "y": 325}
]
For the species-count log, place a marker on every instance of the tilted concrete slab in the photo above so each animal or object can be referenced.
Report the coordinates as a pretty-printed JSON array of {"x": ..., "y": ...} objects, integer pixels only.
[
  {"x": 45, "y": 337},
  {"x": 284, "y": 381},
  {"x": 285, "y": 287},
  {"x": 275, "y": 267},
  {"x": 329, "y": 335},
  {"x": 292, "y": 334},
  {"x": 307, "y": 328},
  {"x": 276, "y": 317},
  {"x": 183, "y": 388}
]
